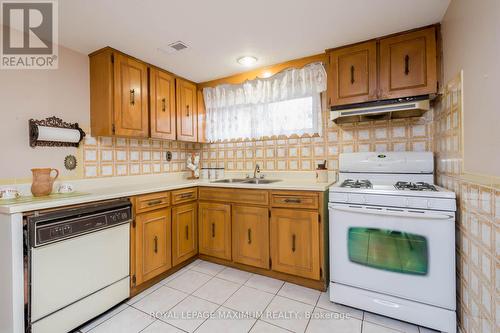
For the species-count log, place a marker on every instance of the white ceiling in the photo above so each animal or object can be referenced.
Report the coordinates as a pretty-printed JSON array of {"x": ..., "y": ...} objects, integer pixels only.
[{"x": 219, "y": 31}]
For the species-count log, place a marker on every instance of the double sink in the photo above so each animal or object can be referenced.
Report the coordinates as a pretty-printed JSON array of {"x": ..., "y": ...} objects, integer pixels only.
[{"x": 246, "y": 181}]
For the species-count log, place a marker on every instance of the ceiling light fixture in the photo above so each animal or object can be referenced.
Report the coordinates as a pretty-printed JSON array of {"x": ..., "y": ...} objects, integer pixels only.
[{"x": 246, "y": 60}]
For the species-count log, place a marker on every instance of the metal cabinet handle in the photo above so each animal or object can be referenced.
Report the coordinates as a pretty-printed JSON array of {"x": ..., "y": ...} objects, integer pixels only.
[
  {"x": 187, "y": 232},
  {"x": 352, "y": 74},
  {"x": 407, "y": 64},
  {"x": 132, "y": 96},
  {"x": 154, "y": 202},
  {"x": 187, "y": 110},
  {"x": 293, "y": 243},
  {"x": 163, "y": 104},
  {"x": 186, "y": 195},
  {"x": 288, "y": 200},
  {"x": 156, "y": 244},
  {"x": 249, "y": 236},
  {"x": 213, "y": 230}
]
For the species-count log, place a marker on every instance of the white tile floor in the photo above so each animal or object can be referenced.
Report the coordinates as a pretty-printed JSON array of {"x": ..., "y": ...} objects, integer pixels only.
[{"x": 222, "y": 299}]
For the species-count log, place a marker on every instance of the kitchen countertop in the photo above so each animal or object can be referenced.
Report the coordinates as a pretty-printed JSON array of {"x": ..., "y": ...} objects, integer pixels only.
[{"x": 119, "y": 187}]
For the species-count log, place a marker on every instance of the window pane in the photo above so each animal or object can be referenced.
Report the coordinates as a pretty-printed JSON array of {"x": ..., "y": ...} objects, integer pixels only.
[{"x": 388, "y": 250}]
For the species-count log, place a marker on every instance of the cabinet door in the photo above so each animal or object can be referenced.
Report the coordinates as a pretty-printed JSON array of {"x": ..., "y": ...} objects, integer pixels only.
[
  {"x": 295, "y": 242},
  {"x": 184, "y": 232},
  {"x": 162, "y": 101},
  {"x": 408, "y": 64},
  {"x": 153, "y": 244},
  {"x": 131, "y": 97},
  {"x": 214, "y": 234},
  {"x": 251, "y": 236},
  {"x": 187, "y": 115},
  {"x": 353, "y": 74}
]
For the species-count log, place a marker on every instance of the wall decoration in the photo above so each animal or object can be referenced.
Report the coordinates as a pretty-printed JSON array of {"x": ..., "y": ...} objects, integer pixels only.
[{"x": 70, "y": 162}]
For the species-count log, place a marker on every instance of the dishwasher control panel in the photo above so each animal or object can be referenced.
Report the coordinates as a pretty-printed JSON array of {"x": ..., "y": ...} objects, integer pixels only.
[{"x": 50, "y": 231}]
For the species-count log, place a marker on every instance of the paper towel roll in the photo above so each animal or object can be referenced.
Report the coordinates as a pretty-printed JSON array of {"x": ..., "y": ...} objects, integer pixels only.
[{"x": 46, "y": 133}]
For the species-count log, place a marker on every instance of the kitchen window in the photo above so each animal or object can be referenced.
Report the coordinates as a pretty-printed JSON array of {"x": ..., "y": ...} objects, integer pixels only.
[{"x": 287, "y": 103}]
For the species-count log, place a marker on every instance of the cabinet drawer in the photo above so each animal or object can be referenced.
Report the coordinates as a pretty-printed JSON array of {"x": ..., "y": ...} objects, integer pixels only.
[
  {"x": 258, "y": 197},
  {"x": 184, "y": 195},
  {"x": 294, "y": 199},
  {"x": 147, "y": 202}
]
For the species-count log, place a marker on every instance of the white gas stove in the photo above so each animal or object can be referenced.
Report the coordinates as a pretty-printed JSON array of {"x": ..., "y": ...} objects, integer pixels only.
[{"x": 392, "y": 238}]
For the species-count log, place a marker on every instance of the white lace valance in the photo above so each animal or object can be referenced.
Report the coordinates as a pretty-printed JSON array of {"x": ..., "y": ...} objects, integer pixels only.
[{"x": 284, "y": 104}]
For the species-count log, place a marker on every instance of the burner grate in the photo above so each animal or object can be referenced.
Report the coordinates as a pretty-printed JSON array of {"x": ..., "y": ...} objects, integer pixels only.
[
  {"x": 351, "y": 183},
  {"x": 418, "y": 186}
]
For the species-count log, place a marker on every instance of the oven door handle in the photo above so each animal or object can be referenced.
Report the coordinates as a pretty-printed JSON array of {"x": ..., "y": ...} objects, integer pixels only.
[{"x": 385, "y": 212}]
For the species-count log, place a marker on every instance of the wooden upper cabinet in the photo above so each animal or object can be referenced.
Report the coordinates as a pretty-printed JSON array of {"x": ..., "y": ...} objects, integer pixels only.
[
  {"x": 214, "y": 229},
  {"x": 295, "y": 242},
  {"x": 408, "y": 64},
  {"x": 131, "y": 97},
  {"x": 353, "y": 74},
  {"x": 187, "y": 115},
  {"x": 201, "y": 117},
  {"x": 153, "y": 244},
  {"x": 184, "y": 232},
  {"x": 251, "y": 235},
  {"x": 162, "y": 102},
  {"x": 118, "y": 95}
]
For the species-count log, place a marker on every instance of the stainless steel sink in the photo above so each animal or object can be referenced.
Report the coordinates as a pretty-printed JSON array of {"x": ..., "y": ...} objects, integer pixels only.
[
  {"x": 260, "y": 181},
  {"x": 245, "y": 181},
  {"x": 230, "y": 180}
]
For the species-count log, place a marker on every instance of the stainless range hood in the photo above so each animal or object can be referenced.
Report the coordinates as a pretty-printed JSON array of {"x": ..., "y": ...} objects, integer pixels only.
[{"x": 380, "y": 110}]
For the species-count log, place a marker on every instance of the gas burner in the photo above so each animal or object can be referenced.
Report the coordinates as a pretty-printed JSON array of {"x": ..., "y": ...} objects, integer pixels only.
[
  {"x": 363, "y": 183},
  {"x": 418, "y": 186}
]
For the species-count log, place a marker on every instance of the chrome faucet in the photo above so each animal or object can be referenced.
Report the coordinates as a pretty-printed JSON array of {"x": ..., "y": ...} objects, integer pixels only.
[{"x": 256, "y": 171}]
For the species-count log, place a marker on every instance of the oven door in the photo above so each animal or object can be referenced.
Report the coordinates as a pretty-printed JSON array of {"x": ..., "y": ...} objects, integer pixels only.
[{"x": 404, "y": 253}]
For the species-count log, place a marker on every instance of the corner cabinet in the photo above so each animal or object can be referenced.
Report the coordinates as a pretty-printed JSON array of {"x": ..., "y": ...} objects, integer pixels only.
[
  {"x": 187, "y": 111},
  {"x": 184, "y": 232},
  {"x": 397, "y": 66}
]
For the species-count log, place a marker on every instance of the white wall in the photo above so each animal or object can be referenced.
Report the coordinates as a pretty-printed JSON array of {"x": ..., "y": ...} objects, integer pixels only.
[
  {"x": 471, "y": 41},
  {"x": 38, "y": 94}
]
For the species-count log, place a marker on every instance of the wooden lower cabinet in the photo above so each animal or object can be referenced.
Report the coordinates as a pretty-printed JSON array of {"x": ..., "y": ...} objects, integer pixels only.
[
  {"x": 294, "y": 242},
  {"x": 184, "y": 232},
  {"x": 251, "y": 235},
  {"x": 214, "y": 229},
  {"x": 153, "y": 244}
]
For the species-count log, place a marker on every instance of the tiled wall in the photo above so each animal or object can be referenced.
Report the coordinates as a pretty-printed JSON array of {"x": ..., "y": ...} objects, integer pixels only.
[
  {"x": 478, "y": 222},
  {"x": 107, "y": 157},
  {"x": 302, "y": 154}
]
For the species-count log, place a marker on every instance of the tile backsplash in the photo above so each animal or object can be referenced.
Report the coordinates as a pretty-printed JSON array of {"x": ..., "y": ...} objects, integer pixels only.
[
  {"x": 303, "y": 154},
  {"x": 478, "y": 221},
  {"x": 107, "y": 157}
]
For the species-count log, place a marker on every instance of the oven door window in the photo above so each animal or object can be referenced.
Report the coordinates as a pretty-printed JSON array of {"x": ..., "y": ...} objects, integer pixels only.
[{"x": 389, "y": 250}]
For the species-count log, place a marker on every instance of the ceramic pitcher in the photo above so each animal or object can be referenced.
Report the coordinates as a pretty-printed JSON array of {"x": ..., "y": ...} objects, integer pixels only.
[{"x": 42, "y": 181}]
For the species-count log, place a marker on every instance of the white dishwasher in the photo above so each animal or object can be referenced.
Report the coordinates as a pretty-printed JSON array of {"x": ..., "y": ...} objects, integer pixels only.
[{"x": 78, "y": 264}]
